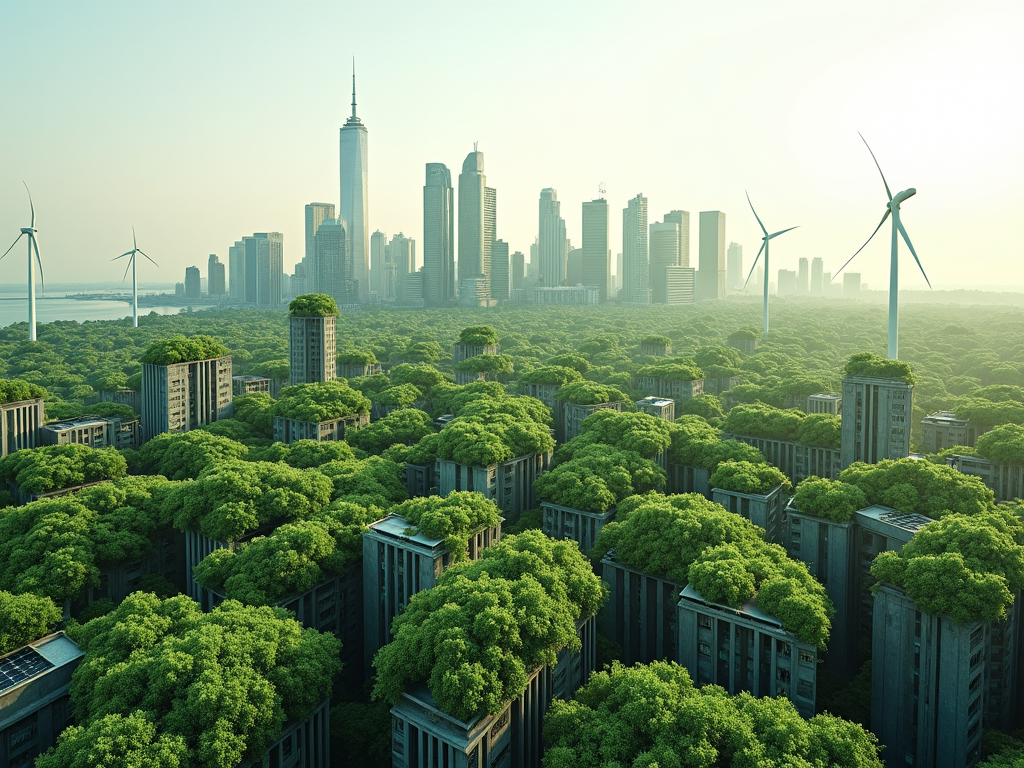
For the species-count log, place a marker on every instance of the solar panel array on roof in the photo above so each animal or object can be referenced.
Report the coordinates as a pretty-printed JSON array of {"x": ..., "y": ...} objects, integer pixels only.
[{"x": 20, "y": 666}]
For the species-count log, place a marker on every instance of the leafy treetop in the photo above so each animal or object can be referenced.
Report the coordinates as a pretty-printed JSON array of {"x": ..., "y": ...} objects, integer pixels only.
[
  {"x": 987, "y": 413},
  {"x": 52, "y": 467},
  {"x": 828, "y": 499},
  {"x": 870, "y": 365},
  {"x": 15, "y": 390},
  {"x": 590, "y": 393},
  {"x": 1002, "y": 445},
  {"x": 453, "y": 518},
  {"x": 636, "y": 431},
  {"x": 965, "y": 566},
  {"x": 402, "y": 395},
  {"x": 598, "y": 477},
  {"x": 183, "y": 349},
  {"x": 554, "y": 375},
  {"x": 911, "y": 485},
  {"x": 321, "y": 401},
  {"x": 655, "y": 341},
  {"x": 355, "y": 357},
  {"x": 746, "y": 477},
  {"x": 478, "y": 336},
  {"x": 406, "y": 426},
  {"x": 422, "y": 375},
  {"x": 184, "y": 456},
  {"x": 677, "y": 369},
  {"x": 313, "y": 305},
  {"x": 647, "y": 715},
  {"x": 24, "y": 619},
  {"x": 479, "y": 442},
  {"x": 743, "y": 334}
]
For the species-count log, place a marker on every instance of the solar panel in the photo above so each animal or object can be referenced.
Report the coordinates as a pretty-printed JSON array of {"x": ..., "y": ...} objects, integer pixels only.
[{"x": 20, "y": 666}]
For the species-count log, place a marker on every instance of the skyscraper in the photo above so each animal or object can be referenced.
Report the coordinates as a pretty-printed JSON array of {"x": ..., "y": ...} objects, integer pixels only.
[
  {"x": 474, "y": 248},
  {"x": 192, "y": 290},
  {"x": 664, "y": 253},
  {"x": 403, "y": 254},
  {"x": 595, "y": 246},
  {"x": 682, "y": 218},
  {"x": 711, "y": 277},
  {"x": 270, "y": 269},
  {"x": 802, "y": 277},
  {"x": 182, "y": 396},
  {"x": 330, "y": 257},
  {"x": 734, "y": 267},
  {"x": 552, "y": 249},
  {"x": 378, "y": 258},
  {"x": 876, "y": 419},
  {"x": 518, "y": 269},
  {"x": 533, "y": 266},
  {"x": 816, "y": 275},
  {"x": 353, "y": 209},
  {"x": 438, "y": 235},
  {"x": 316, "y": 214},
  {"x": 574, "y": 266},
  {"x": 236, "y": 271},
  {"x": 500, "y": 277},
  {"x": 635, "y": 266},
  {"x": 312, "y": 348},
  {"x": 490, "y": 224},
  {"x": 215, "y": 276}
]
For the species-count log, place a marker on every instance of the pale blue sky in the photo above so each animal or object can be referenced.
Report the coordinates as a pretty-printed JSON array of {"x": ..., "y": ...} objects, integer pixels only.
[{"x": 200, "y": 122}]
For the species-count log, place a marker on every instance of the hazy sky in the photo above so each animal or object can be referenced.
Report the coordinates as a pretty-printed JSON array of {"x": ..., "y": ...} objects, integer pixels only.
[{"x": 203, "y": 122}]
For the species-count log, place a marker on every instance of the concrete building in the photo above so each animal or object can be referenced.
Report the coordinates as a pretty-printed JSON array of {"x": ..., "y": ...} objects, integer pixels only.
[
  {"x": 659, "y": 407},
  {"x": 269, "y": 269},
  {"x": 305, "y": 744},
  {"x": 330, "y": 430},
  {"x": 249, "y": 384},
  {"x": 216, "y": 285},
  {"x": 734, "y": 267},
  {"x": 19, "y": 424},
  {"x": 1005, "y": 480},
  {"x": 501, "y": 285},
  {"x": 803, "y": 286},
  {"x": 876, "y": 419},
  {"x": 403, "y": 255},
  {"x": 817, "y": 276},
  {"x": 474, "y": 249},
  {"x": 581, "y": 526},
  {"x": 332, "y": 271},
  {"x": 574, "y": 266},
  {"x": 192, "y": 283},
  {"x": 680, "y": 284},
  {"x": 851, "y": 285},
  {"x": 95, "y": 432},
  {"x": 795, "y": 460},
  {"x": 596, "y": 266},
  {"x": 682, "y": 218},
  {"x": 182, "y": 396},
  {"x": 397, "y": 565},
  {"x": 679, "y": 390},
  {"x": 378, "y": 258},
  {"x": 787, "y": 282},
  {"x": 438, "y": 237},
  {"x": 745, "y": 649},
  {"x": 316, "y": 214},
  {"x": 573, "y": 415},
  {"x": 641, "y": 613},
  {"x": 825, "y": 403},
  {"x": 684, "y": 478},
  {"x": 410, "y": 289},
  {"x": 354, "y": 207},
  {"x": 552, "y": 244},
  {"x": 518, "y": 269},
  {"x": 566, "y": 294},
  {"x": 943, "y": 430},
  {"x": 711, "y": 277},
  {"x": 765, "y": 510},
  {"x": 664, "y": 255},
  {"x": 508, "y": 484},
  {"x": 636, "y": 281},
  {"x": 236, "y": 271},
  {"x": 312, "y": 349},
  {"x": 34, "y": 704}
]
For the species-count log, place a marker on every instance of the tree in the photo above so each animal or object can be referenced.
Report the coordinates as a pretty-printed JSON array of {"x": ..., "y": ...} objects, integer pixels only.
[
  {"x": 640, "y": 432},
  {"x": 478, "y": 336},
  {"x": 590, "y": 393},
  {"x": 820, "y": 429},
  {"x": 870, "y": 365},
  {"x": 453, "y": 518},
  {"x": 401, "y": 395},
  {"x": 185, "y": 455},
  {"x": 1002, "y": 445},
  {"x": 553, "y": 375},
  {"x": 52, "y": 467},
  {"x": 320, "y": 401},
  {"x": 24, "y": 619},
  {"x": 481, "y": 442},
  {"x": 965, "y": 566},
  {"x": 183, "y": 349},
  {"x": 355, "y": 357},
  {"x": 116, "y": 741},
  {"x": 15, "y": 390},
  {"x": 570, "y": 360},
  {"x": 423, "y": 352},
  {"x": 652, "y": 715},
  {"x": 596, "y": 478},
  {"x": 421, "y": 375},
  {"x": 760, "y": 420},
  {"x": 675, "y": 369},
  {"x": 374, "y": 481},
  {"x": 747, "y": 477},
  {"x": 255, "y": 411},
  {"x": 707, "y": 406},
  {"x": 406, "y": 426},
  {"x": 486, "y": 363},
  {"x": 910, "y": 485},
  {"x": 312, "y": 305},
  {"x": 828, "y": 499}
]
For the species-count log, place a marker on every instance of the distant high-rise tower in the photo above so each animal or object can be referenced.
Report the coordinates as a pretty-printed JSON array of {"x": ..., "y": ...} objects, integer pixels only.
[
  {"x": 316, "y": 214},
  {"x": 682, "y": 218},
  {"x": 734, "y": 267},
  {"x": 664, "y": 253},
  {"x": 711, "y": 277},
  {"x": 574, "y": 266},
  {"x": 802, "y": 277},
  {"x": 533, "y": 266},
  {"x": 215, "y": 277},
  {"x": 353, "y": 209},
  {"x": 816, "y": 275},
  {"x": 500, "y": 277},
  {"x": 490, "y": 224},
  {"x": 378, "y": 258},
  {"x": 517, "y": 267},
  {"x": 311, "y": 349},
  {"x": 236, "y": 271},
  {"x": 851, "y": 285},
  {"x": 635, "y": 276},
  {"x": 269, "y": 269},
  {"x": 192, "y": 283},
  {"x": 596, "y": 269},
  {"x": 553, "y": 250},
  {"x": 876, "y": 419},
  {"x": 474, "y": 249},
  {"x": 330, "y": 257},
  {"x": 438, "y": 235}
]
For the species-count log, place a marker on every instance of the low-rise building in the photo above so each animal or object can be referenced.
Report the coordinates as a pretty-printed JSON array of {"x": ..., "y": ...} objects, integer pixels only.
[
  {"x": 574, "y": 295},
  {"x": 291, "y": 430},
  {"x": 305, "y": 744},
  {"x": 181, "y": 396},
  {"x": 93, "y": 431},
  {"x": 249, "y": 384},
  {"x": 508, "y": 484},
  {"x": 19, "y": 424},
  {"x": 659, "y": 407},
  {"x": 679, "y": 390},
  {"x": 1005, "y": 480},
  {"x": 764, "y": 510},
  {"x": 640, "y": 614},
  {"x": 581, "y": 526},
  {"x": 355, "y": 370},
  {"x": 683, "y": 478},
  {"x": 573, "y": 415},
  {"x": 795, "y": 460},
  {"x": 944, "y": 429},
  {"x": 824, "y": 403}
]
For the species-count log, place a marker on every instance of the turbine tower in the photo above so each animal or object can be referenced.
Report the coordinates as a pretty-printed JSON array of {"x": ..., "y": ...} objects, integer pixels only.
[
  {"x": 892, "y": 207},
  {"x": 764, "y": 247},
  {"x": 32, "y": 244},
  {"x": 135, "y": 283}
]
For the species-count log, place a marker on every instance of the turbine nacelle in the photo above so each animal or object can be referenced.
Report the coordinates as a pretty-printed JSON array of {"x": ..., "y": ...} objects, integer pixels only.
[
  {"x": 901, "y": 196},
  {"x": 28, "y": 230}
]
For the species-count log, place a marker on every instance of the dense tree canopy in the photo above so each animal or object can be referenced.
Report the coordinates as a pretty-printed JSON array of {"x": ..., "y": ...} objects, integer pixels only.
[
  {"x": 760, "y": 420},
  {"x": 652, "y": 716},
  {"x": 555, "y": 375},
  {"x": 24, "y": 619},
  {"x": 598, "y": 477},
  {"x": 875, "y": 366},
  {"x": 421, "y": 375},
  {"x": 747, "y": 477},
  {"x": 696, "y": 443},
  {"x": 406, "y": 426},
  {"x": 910, "y": 485},
  {"x": 1001, "y": 445},
  {"x": 478, "y": 336},
  {"x": 355, "y": 357},
  {"x": 454, "y": 518},
  {"x": 828, "y": 499},
  {"x": 183, "y": 349},
  {"x": 321, "y": 401},
  {"x": 15, "y": 390},
  {"x": 184, "y": 455},
  {"x": 629, "y": 431},
  {"x": 312, "y": 305},
  {"x": 52, "y": 467},
  {"x": 591, "y": 393},
  {"x": 486, "y": 439},
  {"x": 675, "y": 369}
]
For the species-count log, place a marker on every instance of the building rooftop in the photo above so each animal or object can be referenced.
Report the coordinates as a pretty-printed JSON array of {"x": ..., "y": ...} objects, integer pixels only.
[
  {"x": 249, "y": 377},
  {"x": 35, "y": 659},
  {"x": 661, "y": 402},
  {"x": 395, "y": 526},
  {"x": 944, "y": 418},
  {"x": 907, "y": 522},
  {"x": 827, "y": 396},
  {"x": 82, "y": 421},
  {"x": 747, "y": 609}
]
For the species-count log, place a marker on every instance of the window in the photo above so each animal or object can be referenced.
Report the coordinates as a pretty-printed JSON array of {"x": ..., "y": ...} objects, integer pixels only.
[
  {"x": 703, "y": 649},
  {"x": 806, "y": 658}
]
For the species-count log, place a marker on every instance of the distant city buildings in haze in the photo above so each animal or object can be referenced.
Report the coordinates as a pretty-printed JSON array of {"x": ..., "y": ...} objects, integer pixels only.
[
  {"x": 664, "y": 253},
  {"x": 215, "y": 277},
  {"x": 353, "y": 208},
  {"x": 734, "y": 267},
  {"x": 802, "y": 277},
  {"x": 236, "y": 271},
  {"x": 518, "y": 268},
  {"x": 711, "y": 276},
  {"x": 269, "y": 269},
  {"x": 787, "y": 282},
  {"x": 193, "y": 288},
  {"x": 635, "y": 266},
  {"x": 553, "y": 246},
  {"x": 574, "y": 266},
  {"x": 438, "y": 236},
  {"x": 473, "y": 244},
  {"x": 682, "y": 218},
  {"x": 596, "y": 256},
  {"x": 331, "y": 272},
  {"x": 378, "y": 259},
  {"x": 851, "y": 285},
  {"x": 816, "y": 276},
  {"x": 500, "y": 276}
]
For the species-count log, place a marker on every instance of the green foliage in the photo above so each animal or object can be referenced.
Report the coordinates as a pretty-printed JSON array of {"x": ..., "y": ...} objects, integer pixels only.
[
  {"x": 423, "y": 352},
  {"x": 570, "y": 360},
  {"x": 829, "y": 499},
  {"x": 453, "y": 518},
  {"x": 676, "y": 369},
  {"x": 1002, "y": 445},
  {"x": 910, "y": 485},
  {"x": 424, "y": 452},
  {"x": 707, "y": 406},
  {"x": 965, "y": 566},
  {"x": 372, "y": 481},
  {"x": 636, "y": 431},
  {"x": 255, "y": 411},
  {"x": 760, "y": 420},
  {"x": 870, "y": 365},
  {"x": 402, "y": 395},
  {"x": 655, "y": 341},
  {"x": 52, "y": 467},
  {"x": 590, "y": 393},
  {"x": 477, "y": 635},
  {"x": 1010, "y": 758},
  {"x": 596, "y": 478},
  {"x": 555, "y": 375},
  {"x": 986, "y": 413},
  {"x": 355, "y": 357},
  {"x": 421, "y": 375},
  {"x": 185, "y": 455},
  {"x": 743, "y": 334},
  {"x": 318, "y": 402},
  {"x": 15, "y": 390},
  {"x": 24, "y": 619},
  {"x": 820, "y": 429},
  {"x": 406, "y": 426},
  {"x": 480, "y": 442},
  {"x": 486, "y": 363},
  {"x": 746, "y": 477},
  {"x": 529, "y": 520},
  {"x": 312, "y": 305},
  {"x": 368, "y": 385},
  {"x": 183, "y": 349},
  {"x": 157, "y": 673},
  {"x": 307, "y": 454},
  {"x": 478, "y": 336},
  {"x": 647, "y": 716},
  {"x": 116, "y": 741}
]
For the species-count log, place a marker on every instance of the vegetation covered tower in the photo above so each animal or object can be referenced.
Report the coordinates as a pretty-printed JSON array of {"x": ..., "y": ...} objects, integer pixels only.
[{"x": 312, "y": 341}]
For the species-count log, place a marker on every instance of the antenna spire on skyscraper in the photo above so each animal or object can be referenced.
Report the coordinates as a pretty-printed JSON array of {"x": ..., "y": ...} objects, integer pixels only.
[{"x": 353, "y": 86}]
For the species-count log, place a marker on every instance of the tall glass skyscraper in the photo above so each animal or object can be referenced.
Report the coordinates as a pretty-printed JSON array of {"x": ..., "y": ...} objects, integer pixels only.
[
  {"x": 596, "y": 267},
  {"x": 353, "y": 210},
  {"x": 636, "y": 283},
  {"x": 474, "y": 246},
  {"x": 438, "y": 236},
  {"x": 553, "y": 248}
]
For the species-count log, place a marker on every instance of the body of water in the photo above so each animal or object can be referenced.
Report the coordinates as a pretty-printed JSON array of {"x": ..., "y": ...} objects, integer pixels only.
[{"x": 15, "y": 310}]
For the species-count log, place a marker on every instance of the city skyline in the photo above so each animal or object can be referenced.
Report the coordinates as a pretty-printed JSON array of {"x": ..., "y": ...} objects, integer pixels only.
[{"x": 188, "y": 159}]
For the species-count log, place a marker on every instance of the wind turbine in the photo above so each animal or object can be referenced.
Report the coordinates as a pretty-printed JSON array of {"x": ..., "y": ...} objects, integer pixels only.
[
  {"x": 892, "y": 207},
  {"x": 764, "y": 247},
  {"x": 135, "y": 283},
  {"x": 32, "y": 244}
]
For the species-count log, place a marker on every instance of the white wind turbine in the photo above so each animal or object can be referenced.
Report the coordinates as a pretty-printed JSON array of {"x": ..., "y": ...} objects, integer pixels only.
[
  {"x": 764, "y": 247},
  {"x": 892, "y": 207},
  {"x": 135, "y": 283},
  {"x": 32, "y": 244}
]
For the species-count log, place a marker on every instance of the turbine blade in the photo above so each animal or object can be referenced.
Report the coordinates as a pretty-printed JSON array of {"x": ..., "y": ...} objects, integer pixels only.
[
  {"x": 763, "y": 241},
  {"x": 126, "y": 269},
  {"x": 886, "y": 216},
  {"x": 39, "y": 262},
  {"x": 755, "y": 212},
  {"x": 13, "y": 244},
  {"x": 147, "y": 256},
  {"x": 783, "y": 231},
  {"x": 135, "y": 243},
  {"x": 126, "y": 253},
  {"x": 906, "y": 239},
  {"x": 876, "y": 165},
  {"x": 30, "y": 205}
]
